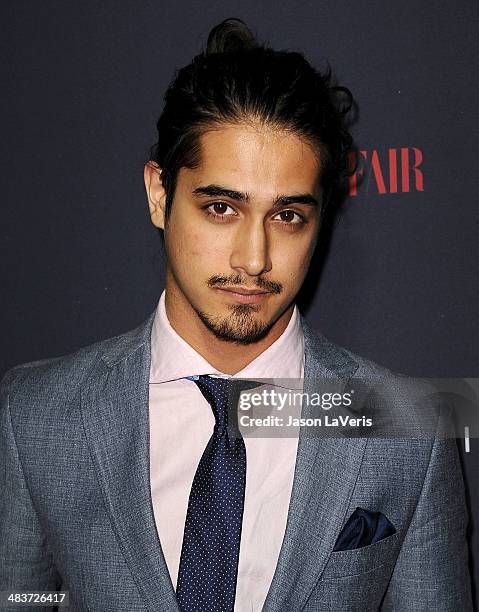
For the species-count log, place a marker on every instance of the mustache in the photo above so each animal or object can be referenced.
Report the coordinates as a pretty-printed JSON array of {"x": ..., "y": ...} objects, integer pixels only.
[{"x": 236, "y": 279}]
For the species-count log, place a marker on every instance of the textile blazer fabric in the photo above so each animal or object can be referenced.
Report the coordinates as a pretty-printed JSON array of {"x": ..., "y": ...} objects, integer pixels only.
[{"x": 76, "y": 510}]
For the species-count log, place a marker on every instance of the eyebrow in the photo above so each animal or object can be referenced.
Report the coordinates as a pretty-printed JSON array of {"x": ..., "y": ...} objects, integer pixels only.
[{"x": 279, "y": 201}]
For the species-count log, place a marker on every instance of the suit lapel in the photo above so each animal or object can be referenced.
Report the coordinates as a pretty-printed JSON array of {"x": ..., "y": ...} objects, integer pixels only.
[
  {"x": 115, "y": 414},
  {"x": 325, "y": 473}
]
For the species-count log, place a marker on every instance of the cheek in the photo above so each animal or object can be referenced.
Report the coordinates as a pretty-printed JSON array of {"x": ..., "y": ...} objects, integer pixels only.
[
  {"x": 291, "y": 259},
  {"x": 197, "y": 250},
  {"x": 209, "y": 246}
]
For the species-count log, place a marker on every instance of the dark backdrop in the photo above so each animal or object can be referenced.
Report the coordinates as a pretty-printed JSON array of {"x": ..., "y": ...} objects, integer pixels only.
[{"x": 81, "y": 91}]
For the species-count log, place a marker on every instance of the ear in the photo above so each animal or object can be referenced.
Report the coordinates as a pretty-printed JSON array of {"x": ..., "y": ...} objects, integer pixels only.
[{"x": 155, "y": 193}]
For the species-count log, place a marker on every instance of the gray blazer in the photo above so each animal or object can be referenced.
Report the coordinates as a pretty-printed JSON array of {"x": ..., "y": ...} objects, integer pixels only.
[{"x": 76, "y": 509}]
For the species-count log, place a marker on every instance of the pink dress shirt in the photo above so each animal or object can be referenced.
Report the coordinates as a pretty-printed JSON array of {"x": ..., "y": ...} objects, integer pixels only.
[{"x": 181, "y": 423}]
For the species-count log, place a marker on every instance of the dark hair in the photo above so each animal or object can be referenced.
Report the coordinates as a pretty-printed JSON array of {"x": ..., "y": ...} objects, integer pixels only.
[{"x": 237, "y": 79}]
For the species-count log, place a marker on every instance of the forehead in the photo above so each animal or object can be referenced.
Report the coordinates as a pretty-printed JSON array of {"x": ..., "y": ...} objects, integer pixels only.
[{"x": 260, "y": 160}]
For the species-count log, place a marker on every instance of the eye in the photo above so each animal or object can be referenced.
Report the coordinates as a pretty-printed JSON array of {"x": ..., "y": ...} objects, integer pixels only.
[
  {"x": 220, "y": 210},
  {"x": 290, "y": 217}
]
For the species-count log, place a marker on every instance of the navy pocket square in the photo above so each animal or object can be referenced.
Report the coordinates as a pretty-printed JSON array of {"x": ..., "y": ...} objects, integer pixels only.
[{"x": 363, "y": 528}]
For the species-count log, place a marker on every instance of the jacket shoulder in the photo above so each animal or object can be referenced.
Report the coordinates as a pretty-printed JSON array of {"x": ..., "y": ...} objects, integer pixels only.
[{"x": 60, "y": 377}]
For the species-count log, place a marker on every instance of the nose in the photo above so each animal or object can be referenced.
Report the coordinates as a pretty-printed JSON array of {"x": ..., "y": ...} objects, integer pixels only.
[{"x": 250, "y": 253}]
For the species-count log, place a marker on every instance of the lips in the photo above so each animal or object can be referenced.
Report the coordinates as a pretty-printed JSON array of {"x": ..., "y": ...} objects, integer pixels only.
[{"x": 244, "y": 295}]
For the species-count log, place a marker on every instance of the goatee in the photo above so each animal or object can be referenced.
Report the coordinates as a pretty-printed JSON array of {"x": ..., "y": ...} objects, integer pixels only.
[{"x": 240, "y": 327}]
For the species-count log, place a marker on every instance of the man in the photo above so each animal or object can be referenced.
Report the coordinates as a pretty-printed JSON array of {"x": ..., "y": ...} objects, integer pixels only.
[{"x": 124, "y": 482}]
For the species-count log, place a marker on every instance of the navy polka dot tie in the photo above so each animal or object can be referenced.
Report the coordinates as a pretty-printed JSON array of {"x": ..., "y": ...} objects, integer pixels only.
[{"x": 211, "y": 541}]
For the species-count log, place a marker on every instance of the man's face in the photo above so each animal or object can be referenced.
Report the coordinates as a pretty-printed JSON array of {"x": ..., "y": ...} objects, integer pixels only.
[{"x": 242, "y": 229}]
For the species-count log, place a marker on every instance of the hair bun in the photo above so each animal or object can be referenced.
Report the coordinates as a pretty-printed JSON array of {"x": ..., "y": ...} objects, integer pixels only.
[{"x": 229, "y": 36}]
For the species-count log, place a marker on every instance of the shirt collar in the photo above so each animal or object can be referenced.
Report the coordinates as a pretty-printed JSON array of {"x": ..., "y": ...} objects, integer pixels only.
[{"x": 173, "y": 358}]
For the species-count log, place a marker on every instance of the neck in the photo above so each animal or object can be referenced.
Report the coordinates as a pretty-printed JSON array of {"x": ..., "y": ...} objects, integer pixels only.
[{"x": 227, "y": 357}]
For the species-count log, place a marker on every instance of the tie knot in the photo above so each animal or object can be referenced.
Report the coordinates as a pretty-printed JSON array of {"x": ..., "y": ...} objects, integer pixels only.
[{"x": 221, "y": 394}]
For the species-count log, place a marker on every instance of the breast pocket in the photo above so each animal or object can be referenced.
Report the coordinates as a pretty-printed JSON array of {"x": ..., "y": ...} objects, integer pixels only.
[{"x": 358, "y": 561}]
